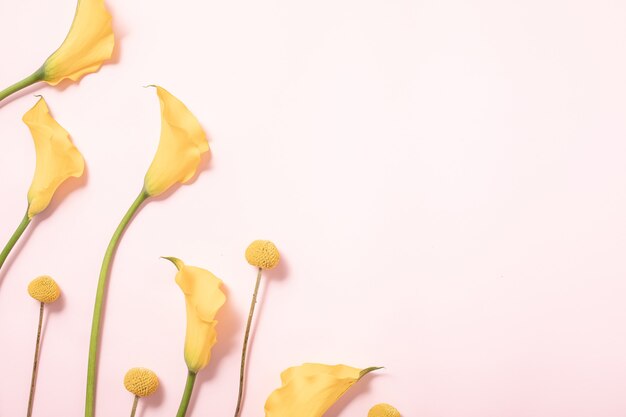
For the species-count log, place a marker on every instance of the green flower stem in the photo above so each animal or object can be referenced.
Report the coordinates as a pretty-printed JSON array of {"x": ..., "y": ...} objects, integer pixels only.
[
  {"x": 14, "y": 238},
  {"x": 97, "y": 309},
  {"x": 134, "y": 409},
  {"x": 184, "y": 402},
  {"x": 242, "y": 369},
  {"x": 30, "y": 80}
]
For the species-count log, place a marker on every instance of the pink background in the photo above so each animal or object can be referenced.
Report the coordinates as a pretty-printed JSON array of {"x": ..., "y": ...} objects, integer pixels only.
[{"x": 445, "y": 181}]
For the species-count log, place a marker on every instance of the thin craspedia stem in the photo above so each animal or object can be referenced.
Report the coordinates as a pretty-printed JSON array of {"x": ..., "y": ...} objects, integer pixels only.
[
  {"x": 135, "y": 402},
  {"x": 14, "y": 238},
  {"x": 45, "y": 290},
  {"x": 90, "y": 399},
  {"x": 33, "y": 379},
  {"x": 244, "y": 350}
]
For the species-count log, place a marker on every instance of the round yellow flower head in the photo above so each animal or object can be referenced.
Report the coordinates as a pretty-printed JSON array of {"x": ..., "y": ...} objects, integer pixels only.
[
  {"x": 141, "y": 381},
  {"x": 383, "y": 410},
  {"x": 44, "y": 289},
  {"x": 262, "y": 254}
]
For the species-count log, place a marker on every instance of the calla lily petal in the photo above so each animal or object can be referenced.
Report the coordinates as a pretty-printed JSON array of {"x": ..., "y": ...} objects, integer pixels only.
[
  {"x": 88, "y": 44},
  {"x": 311, "y": 389},
  {"x": 57, "y": 157},
  {"x": 203, "y": 298},
  {"x": 180, "y": 150}
]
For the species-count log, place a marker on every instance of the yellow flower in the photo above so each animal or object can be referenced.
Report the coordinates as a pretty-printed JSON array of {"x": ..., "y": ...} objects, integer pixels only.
[
  {"x": 311, "y": 389},
  {"x": 203, "y": 298},
  {"x": 262, "y": 254},
  {"x": 88, "y": 44},
  {"x": 383, "y": 410},
  {"x": 44, "y": 289},
  {"x": 141, "y": 381},
  {"x": 177, "y": 158},
  {"x": 180, "y": 150},
  {"x": 57, "y": 157}
]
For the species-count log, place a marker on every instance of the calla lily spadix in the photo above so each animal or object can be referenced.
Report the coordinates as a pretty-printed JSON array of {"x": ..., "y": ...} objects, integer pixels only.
[
  {"x": 88, "y": 45},
  {"x": 311, "y": 389},
  {"x": 178, "y": 156},
  {"x": 203, "y": 298},
  {"x": 57, "y": 159}
]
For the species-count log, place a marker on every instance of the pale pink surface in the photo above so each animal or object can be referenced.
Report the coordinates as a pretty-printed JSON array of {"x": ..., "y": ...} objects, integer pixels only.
[{"x": 446, "y": 181}]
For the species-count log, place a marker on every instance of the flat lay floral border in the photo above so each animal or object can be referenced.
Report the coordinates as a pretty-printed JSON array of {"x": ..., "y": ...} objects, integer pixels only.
[{"x": 307, "y": 390}]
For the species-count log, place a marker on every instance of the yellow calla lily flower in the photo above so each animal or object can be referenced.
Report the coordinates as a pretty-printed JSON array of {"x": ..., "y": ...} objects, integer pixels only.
[
  {"x": 203, "y": 298},
  {"x": 180, "y": 150},
  {"x": 311, "y": 389},
  {"x": 57, "y": 157},
  {"x": 177, "y": 158},
  {"x": 88, "y": 44}
]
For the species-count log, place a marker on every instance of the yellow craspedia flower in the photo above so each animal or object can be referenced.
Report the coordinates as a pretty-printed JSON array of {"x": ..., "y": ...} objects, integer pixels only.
[
  {"x": 88, "y": 44},
  {"x": 203, "y": 299},
  {"x": 44, "y": 289},
  {"x": 311, "y": 389},
  {"x": 57, "y": 159},
  {"x": 262, "y": 254},
  {"x": 383, "y": 410},
  {"x": 141, "y": 381},
  {"x": 181, "y": 146}
]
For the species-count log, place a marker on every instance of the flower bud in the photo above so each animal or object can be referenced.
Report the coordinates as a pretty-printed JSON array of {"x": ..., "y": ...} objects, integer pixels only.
[
  {"x": 262, "y": 254},
  {"x": 44, "y": 289},
  {"x": 383, "y": 410},
  {"x": 141, "y": 382}
]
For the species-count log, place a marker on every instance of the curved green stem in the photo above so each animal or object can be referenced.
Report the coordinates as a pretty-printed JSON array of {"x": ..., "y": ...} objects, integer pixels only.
[
  {"x": 184, "y": 402},
  {"x": 30, "y": 80},
  {"x": 14, "y": 238},
  {"x": 97, "y": 309},
  {"x": 242, "y": 369}
]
